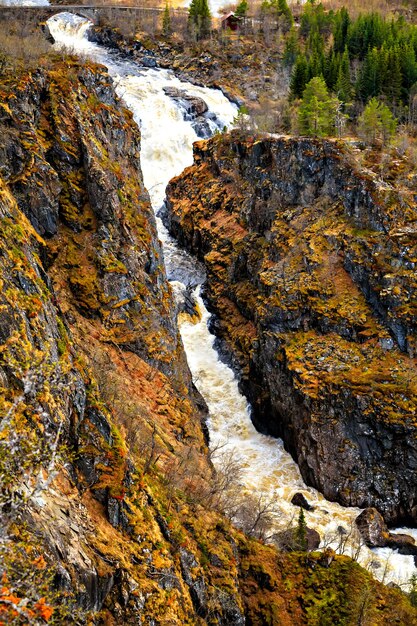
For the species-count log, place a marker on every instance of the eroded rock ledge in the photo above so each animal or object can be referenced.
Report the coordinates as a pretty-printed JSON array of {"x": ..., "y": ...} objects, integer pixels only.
[{"x": 311, "y": 274}]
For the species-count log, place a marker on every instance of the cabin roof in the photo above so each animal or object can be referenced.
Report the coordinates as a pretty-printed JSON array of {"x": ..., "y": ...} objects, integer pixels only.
[{"x": 230, "y": 14}]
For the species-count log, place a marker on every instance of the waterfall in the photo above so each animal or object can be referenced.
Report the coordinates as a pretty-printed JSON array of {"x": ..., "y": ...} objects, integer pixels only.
[{"x": 166, "y": 150}]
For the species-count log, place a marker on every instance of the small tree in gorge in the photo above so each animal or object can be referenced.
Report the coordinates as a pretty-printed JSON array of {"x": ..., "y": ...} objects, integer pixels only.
[{"x": 301, "y": 532}]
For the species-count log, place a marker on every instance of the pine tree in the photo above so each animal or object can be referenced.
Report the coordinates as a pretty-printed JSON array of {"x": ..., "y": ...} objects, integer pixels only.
[
  {"x": 166, "y": 22},
  {"x": 199, "y": 18},
  {"x": 284, "y": 12},
  {"x": 301, "y": 532},
  {"x": 408, "y": 69},
  {"x": 376, "y": 122},
  {"x": 316, "y": 65},
  {"x": 369, "y": 83},
  {"x": 341, "y": 27},
  {"x": 292, "y": 48},
  {"x": 331, "y": 69},
  {"x": 392, "y": 81},
  {"x": 317, "y": 112},
  {"x": 193, "y": 11},
  {"x": 315, "y": 43},
  {"x": 242, "y": 8},
  {"x": 343, "y": 87},
  {"x": 205, "y": 18},
  {"x": 299, "y": 77}
]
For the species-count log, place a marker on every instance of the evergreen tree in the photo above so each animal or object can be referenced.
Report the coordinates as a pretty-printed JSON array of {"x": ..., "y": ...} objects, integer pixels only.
[
  {"x": 343, "y": 87},
  {"x": 280, "y": 10},
  {"x": 331, "y": 69},
  {"x": 193, "y": 12},
  {"x": 316, "y": 65},
  {"x": 315, "y": 19},
  {"x": 299, "y": 77},
  {"x": 341, "y": 27},
  {"x": 392, "y": 78},
  {"x": 301, "y": 532},
  {"x": 242, "y": 8},
  {"x": 317, "y": 112},
  {"x": 376, "y": 122},
  {"x": 292, "y": 48},
  {"x": 166, "y": 21},
  {"x": 369, "y": 83},
  {"x": 199, "y": 18},
  {"x": 315, "y": 44},
  {"x": 307, "y": 20},
  {"x": 408, "y": 69},
  {"x": 284, "y": 12}
]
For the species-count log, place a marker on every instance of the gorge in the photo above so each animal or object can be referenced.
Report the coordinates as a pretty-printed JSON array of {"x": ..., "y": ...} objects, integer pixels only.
[
  {"x": 166, "y": 149},
  {"x": 91, "y": 347}
]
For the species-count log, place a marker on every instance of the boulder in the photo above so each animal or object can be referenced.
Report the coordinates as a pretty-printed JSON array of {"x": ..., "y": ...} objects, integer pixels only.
[
  {"x": 372, "y": 528},
  {"x": 193, "y": 105},
  {"x": 405, "y": 544},
  {"x": 286, "y": 540},
  {"x": 375, "y": 533},
  {"x": 299, "y": 499},
  {"x": 313, "y": 539}
]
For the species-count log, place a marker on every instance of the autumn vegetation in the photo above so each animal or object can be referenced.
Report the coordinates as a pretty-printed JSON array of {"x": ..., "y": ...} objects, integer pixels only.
[{"x": 176, "y": 500}]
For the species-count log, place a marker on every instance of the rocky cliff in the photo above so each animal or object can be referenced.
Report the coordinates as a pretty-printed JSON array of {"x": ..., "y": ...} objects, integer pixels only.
[
  {"x": 311, "y": 273},
  {"x": 103, "y": 458}
]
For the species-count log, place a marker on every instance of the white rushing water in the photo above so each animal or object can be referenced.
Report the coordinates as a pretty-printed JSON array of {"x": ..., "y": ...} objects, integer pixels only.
[
  {"x": 166, "y": 150},
  {"x": 24, "y": 3}
]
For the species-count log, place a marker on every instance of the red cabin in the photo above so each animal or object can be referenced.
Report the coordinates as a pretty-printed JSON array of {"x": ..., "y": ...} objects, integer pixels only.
[{"x": 231, "y": 21}]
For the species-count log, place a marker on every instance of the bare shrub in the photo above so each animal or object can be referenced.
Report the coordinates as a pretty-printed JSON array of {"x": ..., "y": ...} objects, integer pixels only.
[{"x": 257, "y": 515}]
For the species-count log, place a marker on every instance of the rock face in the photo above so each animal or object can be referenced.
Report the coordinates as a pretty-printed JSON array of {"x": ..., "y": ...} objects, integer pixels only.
[
  {"x": 194, "y": 106},
  {"x": 95, "y": 389},
  {"x": 310, "y": 266}
]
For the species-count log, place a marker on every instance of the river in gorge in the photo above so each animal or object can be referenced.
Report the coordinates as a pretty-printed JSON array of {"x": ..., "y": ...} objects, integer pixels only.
[{"x": 166, "y": 149}]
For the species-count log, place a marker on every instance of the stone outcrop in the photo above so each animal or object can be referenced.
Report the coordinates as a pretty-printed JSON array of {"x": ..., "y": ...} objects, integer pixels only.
[
  {"x": 310, "y": 265},
  {"x": 90, "y": 351}
]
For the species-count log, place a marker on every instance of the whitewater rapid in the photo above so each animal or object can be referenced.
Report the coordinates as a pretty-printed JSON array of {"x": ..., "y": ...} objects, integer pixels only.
[{"x": 166, "y": 149}]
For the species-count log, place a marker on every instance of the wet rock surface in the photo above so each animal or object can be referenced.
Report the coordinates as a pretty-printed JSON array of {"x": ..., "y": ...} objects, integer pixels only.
[
  {"x": 299, "y": 499},
  {"x": 375, "y": 533},
  {"x": 193, "y": 105},
  {"x": 297, "y": 242},
  {"x": 193, "y": 109}
]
